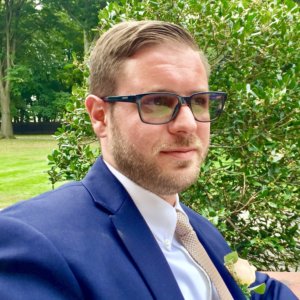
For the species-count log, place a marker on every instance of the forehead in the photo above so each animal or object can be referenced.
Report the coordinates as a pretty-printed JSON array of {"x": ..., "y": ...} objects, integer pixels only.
[
  {"x": 165, "y": 52},
  {"x": 165, "y": 66}
]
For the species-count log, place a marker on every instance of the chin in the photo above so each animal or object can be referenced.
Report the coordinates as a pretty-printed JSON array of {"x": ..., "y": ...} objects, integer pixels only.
[
  {"x": 189, "y": 176},
  {"x": 190, "y": 166}
]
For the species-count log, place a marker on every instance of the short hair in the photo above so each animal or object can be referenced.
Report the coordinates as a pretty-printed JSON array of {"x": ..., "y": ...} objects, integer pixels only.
[{"x": 124, "y": 40}]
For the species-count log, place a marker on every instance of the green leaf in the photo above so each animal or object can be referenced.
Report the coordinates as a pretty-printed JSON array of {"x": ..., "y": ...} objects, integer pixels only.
[
  {"x": 259, "y": 289},
  {"x": 231, "y": 258}
]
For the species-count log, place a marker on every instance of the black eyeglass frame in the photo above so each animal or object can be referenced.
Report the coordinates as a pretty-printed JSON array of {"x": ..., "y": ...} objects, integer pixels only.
[{"x": 182, "y": 100}]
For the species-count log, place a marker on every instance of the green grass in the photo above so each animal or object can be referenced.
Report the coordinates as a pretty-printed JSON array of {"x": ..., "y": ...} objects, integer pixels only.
[{"x": 23, "y": 167}]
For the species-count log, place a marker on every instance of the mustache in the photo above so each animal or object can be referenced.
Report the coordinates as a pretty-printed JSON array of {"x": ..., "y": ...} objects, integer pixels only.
[{"x": 180, "y": 141}]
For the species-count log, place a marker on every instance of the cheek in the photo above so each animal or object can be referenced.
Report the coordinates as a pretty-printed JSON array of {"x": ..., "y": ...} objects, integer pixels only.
[
  {"x": 204, "y": 133},
  {"x": 142, "y": 139},
  {"x": 135, "y": 133}
]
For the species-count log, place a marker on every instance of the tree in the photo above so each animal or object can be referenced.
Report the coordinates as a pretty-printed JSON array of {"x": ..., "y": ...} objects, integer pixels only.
[
  {"x": 249, "y": 185},
  {"x": 10, "y": 13},
  {"x": 84, "y": 13},
  {"x": 44, "y": 72},
  {"x": 39, "y": 49}
]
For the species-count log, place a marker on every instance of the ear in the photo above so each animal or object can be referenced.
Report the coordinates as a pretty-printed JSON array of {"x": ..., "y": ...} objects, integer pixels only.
[{"x": 97, "y": 109}]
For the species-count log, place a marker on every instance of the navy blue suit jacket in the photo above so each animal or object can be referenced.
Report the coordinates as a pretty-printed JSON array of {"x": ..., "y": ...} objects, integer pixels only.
[{"x": 87, "y": 240}]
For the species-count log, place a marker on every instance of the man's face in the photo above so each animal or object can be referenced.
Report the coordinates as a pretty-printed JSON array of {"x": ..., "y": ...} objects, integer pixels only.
[{"x": 164, "y": 159}]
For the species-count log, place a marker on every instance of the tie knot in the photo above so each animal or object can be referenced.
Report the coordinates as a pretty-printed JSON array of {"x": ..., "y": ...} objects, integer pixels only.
[{"x": 183, "y": 226}]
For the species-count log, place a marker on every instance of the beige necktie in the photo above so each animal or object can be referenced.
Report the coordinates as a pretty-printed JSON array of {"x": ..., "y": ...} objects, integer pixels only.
[{"x": 189, "y": 240}]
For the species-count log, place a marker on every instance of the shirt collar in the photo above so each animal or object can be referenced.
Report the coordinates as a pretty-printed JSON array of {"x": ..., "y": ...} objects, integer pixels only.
[{"x": 159, "y": 215}]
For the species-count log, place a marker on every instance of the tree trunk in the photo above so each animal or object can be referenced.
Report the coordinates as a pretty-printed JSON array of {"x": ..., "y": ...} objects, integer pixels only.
[
  {"x": 6, "y": 130},
  {"x": 6, "y": 122}
]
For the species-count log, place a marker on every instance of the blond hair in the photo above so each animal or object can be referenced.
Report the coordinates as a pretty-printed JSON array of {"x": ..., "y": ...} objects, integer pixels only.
[{"x": 124, "y": 40}]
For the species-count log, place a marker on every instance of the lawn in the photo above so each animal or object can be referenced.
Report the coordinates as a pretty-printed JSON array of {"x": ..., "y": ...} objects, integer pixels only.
[{"x": 23, "y": 167}]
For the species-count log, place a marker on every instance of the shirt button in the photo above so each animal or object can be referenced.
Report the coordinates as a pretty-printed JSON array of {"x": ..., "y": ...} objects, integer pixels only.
[{"x": 167, "y": 244}]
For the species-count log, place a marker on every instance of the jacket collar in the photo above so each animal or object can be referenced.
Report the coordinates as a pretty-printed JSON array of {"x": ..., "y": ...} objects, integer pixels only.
[{"x": 108, "y": 193}]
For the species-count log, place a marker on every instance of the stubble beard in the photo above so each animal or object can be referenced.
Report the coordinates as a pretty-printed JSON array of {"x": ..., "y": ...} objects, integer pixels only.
[{"x": 146, "y": 172}]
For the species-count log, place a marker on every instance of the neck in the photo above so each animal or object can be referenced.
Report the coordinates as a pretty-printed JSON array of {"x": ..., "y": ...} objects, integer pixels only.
[{"x": 171, "y": 199}]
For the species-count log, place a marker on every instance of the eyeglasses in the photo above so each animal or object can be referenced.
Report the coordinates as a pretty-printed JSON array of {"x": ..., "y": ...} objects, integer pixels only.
[{"x": 161, "y": 108}]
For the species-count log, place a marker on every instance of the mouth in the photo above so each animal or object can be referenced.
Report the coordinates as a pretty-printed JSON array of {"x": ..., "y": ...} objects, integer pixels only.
[{"x": 181, "y": 153}]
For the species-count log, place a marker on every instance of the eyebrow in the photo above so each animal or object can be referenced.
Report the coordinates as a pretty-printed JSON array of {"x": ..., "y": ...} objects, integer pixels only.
[{"x": 174, "y": 92}]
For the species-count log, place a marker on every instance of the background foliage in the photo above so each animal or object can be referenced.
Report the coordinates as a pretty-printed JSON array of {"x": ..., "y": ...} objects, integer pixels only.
[
  {"x": 249, "y": 185},
  {"x": 39, "y": 41}
]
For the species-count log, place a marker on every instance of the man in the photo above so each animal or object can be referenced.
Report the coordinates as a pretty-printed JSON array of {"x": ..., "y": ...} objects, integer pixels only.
[{"x": 115, "y": 234}]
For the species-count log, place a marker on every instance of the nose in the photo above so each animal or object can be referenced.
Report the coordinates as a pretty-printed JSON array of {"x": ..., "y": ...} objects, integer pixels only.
[{"x": 184, "y": 122}]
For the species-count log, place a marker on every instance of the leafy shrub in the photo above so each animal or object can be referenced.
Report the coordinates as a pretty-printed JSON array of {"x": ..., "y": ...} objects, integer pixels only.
[
  {"x": 75, "y": 153},
  {"x": 249, "y": 184}
]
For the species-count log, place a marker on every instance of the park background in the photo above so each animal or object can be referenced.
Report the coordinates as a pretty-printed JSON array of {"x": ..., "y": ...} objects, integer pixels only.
[{"x": 249, "y": 184}]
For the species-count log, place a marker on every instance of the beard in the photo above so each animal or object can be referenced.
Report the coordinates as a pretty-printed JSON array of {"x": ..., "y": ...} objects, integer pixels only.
[{"x": 145, "y": 170}]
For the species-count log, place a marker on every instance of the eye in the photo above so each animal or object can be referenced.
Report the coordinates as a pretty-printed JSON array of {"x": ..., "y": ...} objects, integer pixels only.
[
  {"x": 160, "y": 100},
  {"x": 200, "y": 100}
]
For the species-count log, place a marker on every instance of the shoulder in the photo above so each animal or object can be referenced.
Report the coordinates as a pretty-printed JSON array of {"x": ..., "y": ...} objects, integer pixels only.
[
  {"x": 62, "y": 198},
  {"x": 57, "y": 212},
  {"x": 27, "y": 252}
]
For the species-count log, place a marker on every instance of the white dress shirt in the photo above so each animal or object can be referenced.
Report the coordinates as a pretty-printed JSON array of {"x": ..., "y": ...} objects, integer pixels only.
[{"x": 161, "y": 218}]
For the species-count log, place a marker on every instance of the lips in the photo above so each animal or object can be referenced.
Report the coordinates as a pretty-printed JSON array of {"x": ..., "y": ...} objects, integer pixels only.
[{"x": 180, "y": 153}]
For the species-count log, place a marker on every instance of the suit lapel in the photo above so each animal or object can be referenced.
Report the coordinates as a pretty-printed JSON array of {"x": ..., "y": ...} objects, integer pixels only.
[
  {"x": 133, "y": 231},
  {"x": 145, "y": 252},
  {"x": 137, "y": 238}
]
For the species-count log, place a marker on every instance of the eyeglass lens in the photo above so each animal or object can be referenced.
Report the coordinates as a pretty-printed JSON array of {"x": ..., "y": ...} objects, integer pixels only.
[{"x": 160, "y": 108}]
